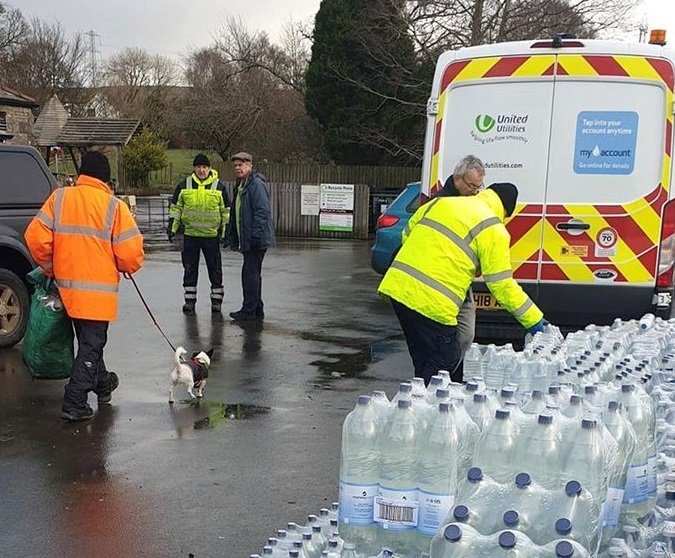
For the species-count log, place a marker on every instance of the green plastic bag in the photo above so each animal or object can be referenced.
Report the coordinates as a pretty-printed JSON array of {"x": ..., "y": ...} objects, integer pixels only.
[{"x": 48, "y": 342}]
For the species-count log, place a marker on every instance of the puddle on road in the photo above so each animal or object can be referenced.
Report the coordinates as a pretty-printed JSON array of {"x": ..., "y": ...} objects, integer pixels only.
[
  {"x": 350, "y": 364},
  {"x": 218, "y": 412}
]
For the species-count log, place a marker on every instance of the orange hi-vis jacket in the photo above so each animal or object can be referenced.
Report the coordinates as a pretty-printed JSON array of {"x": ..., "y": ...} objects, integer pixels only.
[{"x": 84, "y": 237}]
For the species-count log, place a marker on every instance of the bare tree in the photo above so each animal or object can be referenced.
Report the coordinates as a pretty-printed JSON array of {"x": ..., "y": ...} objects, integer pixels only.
[
  {"x": 232, "y": 105},
  {"x": 46, "y": 61},
  {"x": 13, "y": 28},
  {"x": 136, "y": 82}
]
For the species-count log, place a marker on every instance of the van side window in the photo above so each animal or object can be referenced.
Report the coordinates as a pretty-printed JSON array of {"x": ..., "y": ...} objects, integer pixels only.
[{"x": 22, "y": 180}]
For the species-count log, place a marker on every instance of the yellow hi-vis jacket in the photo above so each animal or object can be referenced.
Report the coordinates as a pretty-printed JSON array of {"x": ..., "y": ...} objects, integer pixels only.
[{"x": 446, "y": 244}]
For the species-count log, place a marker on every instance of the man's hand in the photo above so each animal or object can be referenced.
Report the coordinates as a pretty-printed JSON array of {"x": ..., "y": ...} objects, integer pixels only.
[
  {"x": 538, "y": 327},
  {"x": 170, "y": 234}
]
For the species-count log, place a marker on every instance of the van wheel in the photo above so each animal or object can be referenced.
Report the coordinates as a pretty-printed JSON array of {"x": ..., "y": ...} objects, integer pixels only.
[{"x": 14, "y": 308}]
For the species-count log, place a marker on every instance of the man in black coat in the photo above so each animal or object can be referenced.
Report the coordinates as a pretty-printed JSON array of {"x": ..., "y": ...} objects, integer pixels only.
[{"x": 251, "y": 232}]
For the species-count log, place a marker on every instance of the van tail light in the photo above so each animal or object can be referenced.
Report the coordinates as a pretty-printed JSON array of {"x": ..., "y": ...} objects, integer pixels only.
[
  {"x": 384, "y": 221},
  {"x": 667, "y": 247}
]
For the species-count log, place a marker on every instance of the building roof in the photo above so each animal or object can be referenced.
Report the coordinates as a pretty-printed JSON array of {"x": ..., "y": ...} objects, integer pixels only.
[
  {"x": 87, "y": 132},
  {"x": 11, "y": 97},
  {"x": 50, "y": 122}
]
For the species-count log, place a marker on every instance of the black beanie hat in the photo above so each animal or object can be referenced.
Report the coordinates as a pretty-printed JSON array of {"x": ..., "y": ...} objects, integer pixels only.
[
  {"x": 96, "y": 165},
  {"x": 508, "y": 194},
  {"x": 201, "y": 159}
]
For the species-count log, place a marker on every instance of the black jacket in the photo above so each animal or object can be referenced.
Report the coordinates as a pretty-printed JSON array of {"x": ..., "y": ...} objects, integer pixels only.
[
  {"x": 448, "y": 189},
  {"x": 257, "y": 229}
]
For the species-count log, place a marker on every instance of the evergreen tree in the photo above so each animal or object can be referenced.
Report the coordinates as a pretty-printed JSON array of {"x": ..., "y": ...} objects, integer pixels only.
[{"x": 362, "y": 83}]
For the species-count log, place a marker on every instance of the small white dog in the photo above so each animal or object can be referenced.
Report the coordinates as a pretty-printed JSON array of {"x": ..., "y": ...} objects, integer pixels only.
[{"x": 191, "y": 373}]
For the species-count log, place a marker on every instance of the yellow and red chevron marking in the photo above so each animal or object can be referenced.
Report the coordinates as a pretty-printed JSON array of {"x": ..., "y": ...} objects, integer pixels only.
[{"x": 638, "y": 222}]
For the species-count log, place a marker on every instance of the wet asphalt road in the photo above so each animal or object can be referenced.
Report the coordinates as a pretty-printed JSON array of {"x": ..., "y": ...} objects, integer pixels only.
[{"x": 144, "y": 478}]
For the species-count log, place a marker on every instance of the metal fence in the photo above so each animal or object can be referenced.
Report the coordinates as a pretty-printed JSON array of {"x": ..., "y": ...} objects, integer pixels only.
[{"x": 152, "y": 213}]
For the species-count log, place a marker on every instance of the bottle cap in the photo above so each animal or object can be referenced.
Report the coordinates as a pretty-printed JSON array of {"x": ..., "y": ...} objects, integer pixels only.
[
  {"x": 472, "y": 386},
  {"x": 536, "y": 394},
  {"x": 333, "y": 543},
  {"x": 404, "y": 403},
  {"x": 293, "y": 553},
  {"x": 435, "y": 380},
  {"x": 444, "y": 407},
  {"x": 502, "y": 414},
  {"x": 670, "y": 494},
  {"x": 479, "y": 398},
  {"x": 627, "y": 388},
  {"x": 442, "y": 393},
  {"x": 554, "y": 390},
  {"x": 364, "y": 400},
  {"x": 523, "y": 480},
  {"x": 511, "y": 518},
  {"x": 614, "y": 405},
  {"x": 573, "y": 488},
  {"x": 281, "y": 533},
  {"x": 452, "y": 533},
  {"x": 475, "y": 474},
  {"x": 563, "y": 526},
  {"x": 590, "y": 389},
  {"x": 545, "y": 419},
  {"x": 507, "y": 539},
  {"x": 405, "y": 387},
  {"x": 507, "y": 392},
  {"x": 297, "y": 544},
  {"x": 461, "y": 513},
  {"x": 575, "y": 400},
  {"x": 307, "y": 536},
  {"x": 272, "y": 541},
  {"x": 333, "y": 522},
  {"x": 588, "y": 424},
  {"x": 316, "y": 528},
  {"x": 379, "y": 394},
  {"x": 564, "y": 549}
]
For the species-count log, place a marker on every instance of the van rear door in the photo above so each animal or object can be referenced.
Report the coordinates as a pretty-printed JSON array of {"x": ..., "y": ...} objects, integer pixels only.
[
  {"x": 499, "y": 109},
  {"x": 609, "y": 171}
]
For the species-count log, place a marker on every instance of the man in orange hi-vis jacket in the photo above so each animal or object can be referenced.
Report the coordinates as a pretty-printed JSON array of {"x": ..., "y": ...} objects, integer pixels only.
[{"x": 84, "y": 237}]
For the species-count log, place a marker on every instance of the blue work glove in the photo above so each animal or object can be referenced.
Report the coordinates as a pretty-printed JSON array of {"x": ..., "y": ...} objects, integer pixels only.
[{"x": 539, "y": 326}]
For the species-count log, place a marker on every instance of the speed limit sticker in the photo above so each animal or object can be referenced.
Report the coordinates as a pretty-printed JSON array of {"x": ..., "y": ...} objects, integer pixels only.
[{"x": 605, "y": 243}]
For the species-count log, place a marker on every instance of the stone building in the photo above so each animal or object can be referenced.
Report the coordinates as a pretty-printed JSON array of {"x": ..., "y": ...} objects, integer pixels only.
[{"x": 16, "y": 116}]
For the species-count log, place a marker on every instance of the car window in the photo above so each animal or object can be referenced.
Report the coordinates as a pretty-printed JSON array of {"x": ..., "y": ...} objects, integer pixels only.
[{"x": 22, "y": 179}]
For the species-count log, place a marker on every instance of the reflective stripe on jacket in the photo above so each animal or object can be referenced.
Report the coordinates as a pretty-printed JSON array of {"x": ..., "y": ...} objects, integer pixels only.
[
  {"x": 446, "y": 244},
  {"x": 84, "y": 237},
  {"x": 200, "y": 207}
]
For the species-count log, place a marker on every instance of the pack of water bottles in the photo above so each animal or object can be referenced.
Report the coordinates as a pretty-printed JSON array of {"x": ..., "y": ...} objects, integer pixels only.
[{"x": 566, "y": 449}]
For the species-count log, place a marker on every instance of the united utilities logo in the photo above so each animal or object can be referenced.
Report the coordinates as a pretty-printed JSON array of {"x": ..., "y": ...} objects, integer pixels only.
[
  {"x": 597, "y": 152},
  {"x": 485, "y": 123}
]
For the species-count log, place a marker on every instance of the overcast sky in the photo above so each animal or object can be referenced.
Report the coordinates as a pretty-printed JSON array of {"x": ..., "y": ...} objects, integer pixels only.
[
  {"x": 169, "y": 27},
  {"x": 173, "y": 27}
]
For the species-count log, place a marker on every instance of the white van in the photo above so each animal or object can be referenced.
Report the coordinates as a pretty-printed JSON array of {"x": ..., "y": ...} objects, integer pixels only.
[{"x": 584, "y": 129}]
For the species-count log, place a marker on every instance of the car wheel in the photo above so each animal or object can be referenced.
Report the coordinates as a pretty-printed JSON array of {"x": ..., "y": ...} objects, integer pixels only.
[{"x": 14, "y": 308}]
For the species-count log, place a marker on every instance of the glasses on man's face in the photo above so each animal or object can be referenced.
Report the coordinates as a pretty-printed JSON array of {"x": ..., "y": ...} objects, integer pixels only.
[{"x": 476, "y": 187}]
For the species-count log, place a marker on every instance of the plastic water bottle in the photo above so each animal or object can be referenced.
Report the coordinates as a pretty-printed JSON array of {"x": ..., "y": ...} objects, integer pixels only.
[
  {"x": 494, "y": 371},
  {"x": 472, "y": 361},
  {"x": 418, "y": 387},
  {"x": 647, "y": 322},
  {"x": 359, "y": 473},
  {"x": 540, "y": 450},
  {"x": 584, "y": 458},
  {"x": 456, "y": 541},
  {"x": 435, "y": 383},
  {"x": 396, "y": 504},
  {"x": 495, "y": 450},
  {"x": 479, "y": 410},
  {"x": 485, "y": 500},
  {"x": 437, "y": 473},
  {"x": 468, "y": 434},
  {"x": 526, "y": 497}
]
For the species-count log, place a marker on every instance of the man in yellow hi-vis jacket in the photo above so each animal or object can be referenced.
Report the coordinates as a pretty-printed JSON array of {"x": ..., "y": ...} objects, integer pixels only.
[
  {"x": 447, "y": 241},
  {"x": 201, "y": 208}
]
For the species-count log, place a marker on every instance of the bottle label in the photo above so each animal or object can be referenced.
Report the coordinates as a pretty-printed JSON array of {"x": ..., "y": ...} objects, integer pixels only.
[
  {"x": 612, "y": 507},
  {"x": 396, "y": 509},
  {"x": 356, "y": 503},
  {"x": 433, "y": 509},
  {"x": 637, "y": 484},
  {"x": 651, "y": 463}
]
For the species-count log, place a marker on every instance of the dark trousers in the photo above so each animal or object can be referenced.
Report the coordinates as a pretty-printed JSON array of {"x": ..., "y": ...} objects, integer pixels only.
[
  {"x": 432, "y": 346},
  {"x": 210, "y": 247},
  {"x": 89, "y": 371},
  {"x": 251, "y": 282}
]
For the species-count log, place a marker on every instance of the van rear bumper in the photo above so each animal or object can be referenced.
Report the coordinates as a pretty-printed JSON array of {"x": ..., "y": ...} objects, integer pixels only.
[{"x": 570, "y": 307}]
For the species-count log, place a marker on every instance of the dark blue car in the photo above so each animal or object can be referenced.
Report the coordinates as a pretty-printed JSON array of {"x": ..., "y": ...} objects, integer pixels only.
[{"x": 390, "y": 225}]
